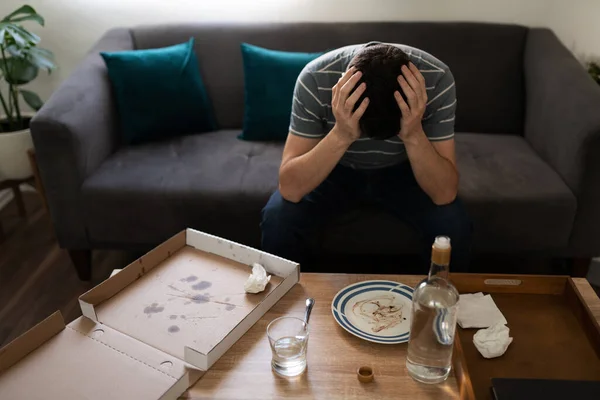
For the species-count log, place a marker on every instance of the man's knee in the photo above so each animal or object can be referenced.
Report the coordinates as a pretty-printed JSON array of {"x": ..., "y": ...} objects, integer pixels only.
[
  {"x": 286, "y": 228},
  {"x": 277, "y": 213},
  {"x": 283, "y": 220},
  {"x": 452, "y": 220}
]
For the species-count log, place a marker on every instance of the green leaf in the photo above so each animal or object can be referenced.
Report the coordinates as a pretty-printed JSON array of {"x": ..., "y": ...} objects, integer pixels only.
[
  {"x": 35, "y": 17},
  {"x": 14, "y": 36},
  {"x": 18, "y": 71},
  {"x": 14, "y": 50},
  {"x": 30, "y": 37},
  {"x": 32, "y": 99},
  {"x": 41, "y": 58},
  {"x": 42, "y": 52},
  {"x": 3, "y": 34},
  {"x": 21, "y": 10},
  {"x": 23, "y": 13}
]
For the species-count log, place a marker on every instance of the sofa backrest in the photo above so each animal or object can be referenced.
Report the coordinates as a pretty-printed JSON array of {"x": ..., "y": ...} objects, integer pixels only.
[{"x": 486, "y": 60}]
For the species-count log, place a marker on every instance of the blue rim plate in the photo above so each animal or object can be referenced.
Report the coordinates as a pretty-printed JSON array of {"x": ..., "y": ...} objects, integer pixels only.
[{"x": 377, "y": 311}]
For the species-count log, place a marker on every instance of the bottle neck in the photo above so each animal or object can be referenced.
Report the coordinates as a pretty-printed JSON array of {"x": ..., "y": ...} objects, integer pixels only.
[
  {"x": 438, "y": 271},
  {"x": 440, "y": 258}
]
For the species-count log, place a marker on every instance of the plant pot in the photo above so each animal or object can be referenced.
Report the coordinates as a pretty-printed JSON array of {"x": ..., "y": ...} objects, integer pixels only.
[{"x": 14, "y": 162}]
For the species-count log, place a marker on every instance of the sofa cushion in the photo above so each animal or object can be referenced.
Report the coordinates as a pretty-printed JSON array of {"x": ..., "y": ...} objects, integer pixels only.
[
  {"x": 486, "y": 60},
  {"x": 159, "y": 92},
  {"x": 516, "y": 201},
  {"x": 213, "y": 182},
  {"x": 269, "y": 80},
  {"x": 218, "y": 184}
]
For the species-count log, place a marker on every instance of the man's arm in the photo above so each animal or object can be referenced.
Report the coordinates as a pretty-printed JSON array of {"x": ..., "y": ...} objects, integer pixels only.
[
  {"x": 307, "y": 162},
  {"x": 434, "y": 167},
  {"x": 433, "y": 163}
]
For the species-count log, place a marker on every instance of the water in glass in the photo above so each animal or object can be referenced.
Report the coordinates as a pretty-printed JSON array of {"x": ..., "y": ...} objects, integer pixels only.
[{"x": 288, "y": 337}]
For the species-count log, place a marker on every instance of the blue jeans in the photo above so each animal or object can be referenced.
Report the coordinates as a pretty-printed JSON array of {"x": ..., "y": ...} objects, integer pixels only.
[{"x": 290, "y": 229}]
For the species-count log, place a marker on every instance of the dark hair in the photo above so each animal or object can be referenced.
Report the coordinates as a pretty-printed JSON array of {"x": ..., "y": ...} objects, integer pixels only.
[{"x": 380, "y": 65}]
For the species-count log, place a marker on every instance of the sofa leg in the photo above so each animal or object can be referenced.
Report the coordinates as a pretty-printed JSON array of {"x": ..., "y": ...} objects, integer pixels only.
[
  {"x": 82, "y": 260},
  {"x": 580, "y": 267}
]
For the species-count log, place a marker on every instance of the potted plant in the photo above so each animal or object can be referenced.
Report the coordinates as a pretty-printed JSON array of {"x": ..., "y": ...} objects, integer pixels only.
[
  {"x": 20, "y": 61},
  {"x": 594, "y": 71}
]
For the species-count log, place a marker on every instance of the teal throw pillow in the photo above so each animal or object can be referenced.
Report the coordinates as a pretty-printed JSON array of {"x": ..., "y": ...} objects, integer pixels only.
[
  {"x": 159, "y": 93},
  {"x": 269, "y": 78}
]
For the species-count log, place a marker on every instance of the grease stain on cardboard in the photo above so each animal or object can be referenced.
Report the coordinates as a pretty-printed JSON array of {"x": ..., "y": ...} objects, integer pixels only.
[
  {"x": 229, "y": 307},
  {"x": 153, "y": 309},
  {"x": 172, "y": 316},
  {"x": 202, "y": 285},
  {"x": 173, "y": 329},
  {"x": 190, "y": 278},
  {"x": 200, "y": 298}
]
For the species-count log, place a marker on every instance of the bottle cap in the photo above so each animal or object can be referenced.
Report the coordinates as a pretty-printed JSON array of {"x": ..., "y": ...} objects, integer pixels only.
[
  {"x": 440, "y": 251},
  {"x": 442, "y": 242},
  {"x": 365, "y": 374}
]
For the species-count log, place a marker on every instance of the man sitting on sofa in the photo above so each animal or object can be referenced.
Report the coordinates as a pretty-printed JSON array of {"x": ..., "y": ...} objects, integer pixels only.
[{"x": 370, "y": 123}]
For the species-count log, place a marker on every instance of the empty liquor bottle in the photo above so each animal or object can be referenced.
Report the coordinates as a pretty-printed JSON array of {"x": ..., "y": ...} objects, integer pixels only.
[{"x": 433, "y": 324}]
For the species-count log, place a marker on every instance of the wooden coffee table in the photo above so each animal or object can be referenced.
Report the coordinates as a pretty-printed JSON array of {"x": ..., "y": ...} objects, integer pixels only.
[{"x": 334, "y": 355}]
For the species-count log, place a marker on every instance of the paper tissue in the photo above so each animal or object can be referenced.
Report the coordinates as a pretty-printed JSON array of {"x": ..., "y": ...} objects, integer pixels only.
[
  {"x": 257, "y": 281},
  {"x": 493, "y": 341},
  {"x": 478, "y": 311}
]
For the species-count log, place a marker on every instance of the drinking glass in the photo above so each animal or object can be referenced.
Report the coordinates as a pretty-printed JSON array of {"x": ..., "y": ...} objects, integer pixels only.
[{"x": 288, "y": 337}]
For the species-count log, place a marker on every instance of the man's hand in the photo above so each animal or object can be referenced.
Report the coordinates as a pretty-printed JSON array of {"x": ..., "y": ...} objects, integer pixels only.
[
  {"x": 342, "y": 104},
  {"x": 413, "y": 84}
]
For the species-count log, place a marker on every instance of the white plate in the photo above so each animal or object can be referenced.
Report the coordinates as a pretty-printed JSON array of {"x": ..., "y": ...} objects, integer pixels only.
[{"x": 377, "y": 311}]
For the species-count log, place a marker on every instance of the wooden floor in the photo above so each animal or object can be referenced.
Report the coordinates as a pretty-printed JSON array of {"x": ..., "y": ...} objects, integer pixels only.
[{"x": 37, "y": 278}]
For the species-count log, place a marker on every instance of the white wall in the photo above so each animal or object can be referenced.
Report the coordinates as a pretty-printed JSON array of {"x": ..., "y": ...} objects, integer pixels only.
[
  {"x": 72, "y": 26},
  {"x": 577, "y": 23}
]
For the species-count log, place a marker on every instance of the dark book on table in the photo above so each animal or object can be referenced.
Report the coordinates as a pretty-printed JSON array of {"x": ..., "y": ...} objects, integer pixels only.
[{"x": 527, "y": 389}]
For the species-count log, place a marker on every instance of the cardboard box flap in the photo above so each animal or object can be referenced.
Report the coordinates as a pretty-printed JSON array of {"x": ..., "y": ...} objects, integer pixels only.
[
  {"x": 189, "y": 300},
  {"x": 19, "y": 348},
  {"x": 136, "y": 270},
  {"x": 92, "y": 361},
  {"x": 238, "y": 252},
  {"x": 141, "y": 352}
]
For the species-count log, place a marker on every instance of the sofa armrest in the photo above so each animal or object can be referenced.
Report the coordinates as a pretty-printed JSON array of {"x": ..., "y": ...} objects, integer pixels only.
[
  {"x": 73, "y": 133},
  {"x": 563, "y": 126}
]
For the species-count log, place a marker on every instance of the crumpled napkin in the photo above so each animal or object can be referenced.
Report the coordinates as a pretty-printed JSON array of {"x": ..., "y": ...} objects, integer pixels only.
[
  {"x": 493, "y": 341},
  {"x": 478, "y": 311},
  {"x": 257, "y": 281}
]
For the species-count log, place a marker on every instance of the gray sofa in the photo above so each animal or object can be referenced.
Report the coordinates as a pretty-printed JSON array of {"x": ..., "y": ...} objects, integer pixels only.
[{"x": 528, "y": 145}]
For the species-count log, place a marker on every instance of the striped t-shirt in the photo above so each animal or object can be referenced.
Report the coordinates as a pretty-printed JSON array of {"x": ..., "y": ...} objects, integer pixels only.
[{"x": 312, "y": 116}]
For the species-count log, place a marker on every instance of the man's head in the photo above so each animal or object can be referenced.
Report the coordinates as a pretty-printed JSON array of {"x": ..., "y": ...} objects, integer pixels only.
[{"x": 380, "y": 65}]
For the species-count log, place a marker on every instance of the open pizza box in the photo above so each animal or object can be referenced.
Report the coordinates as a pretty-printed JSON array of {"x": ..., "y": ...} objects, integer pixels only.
[
  {"x": 88, "y": 360},
  {"x": 150, "y": 331}
]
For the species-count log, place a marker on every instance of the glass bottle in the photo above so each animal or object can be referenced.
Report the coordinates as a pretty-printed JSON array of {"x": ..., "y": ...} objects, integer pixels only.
[{"x": 434, "y": 313}]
